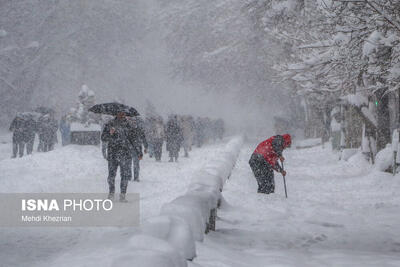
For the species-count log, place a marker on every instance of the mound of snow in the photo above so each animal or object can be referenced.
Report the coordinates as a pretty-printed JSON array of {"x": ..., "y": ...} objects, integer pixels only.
[
  {"x": 348, "y": 153},
  {"x": 150, "y": 251},
  {"x": 384, "y": 158},
  {"x": 175, "y": 231}
]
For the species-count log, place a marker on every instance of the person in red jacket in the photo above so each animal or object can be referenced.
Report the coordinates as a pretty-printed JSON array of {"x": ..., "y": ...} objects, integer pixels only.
[{"x": 264, "y": 161}]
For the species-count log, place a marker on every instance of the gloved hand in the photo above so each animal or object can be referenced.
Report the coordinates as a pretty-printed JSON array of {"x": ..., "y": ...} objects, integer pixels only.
[
  {"x": 282, "y": 159},
  {"x": 283, "y": 173}
]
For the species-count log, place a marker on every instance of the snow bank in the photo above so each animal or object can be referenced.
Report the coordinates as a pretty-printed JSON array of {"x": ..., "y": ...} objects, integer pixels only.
[
  {"x": 150, "y": 251},
  {"x": 175, "y": 231},
  {"x": 384, "y": 158},
  {"x": 184, "y": 220},
  {"x": 204, "y": 192},
  {"x": 347, "y": 153}
]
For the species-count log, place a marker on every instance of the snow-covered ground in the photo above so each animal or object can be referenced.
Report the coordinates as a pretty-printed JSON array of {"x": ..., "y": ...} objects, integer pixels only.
[
  {"x": 82, "y": 169},
  {"x": 337, "y": 214}
]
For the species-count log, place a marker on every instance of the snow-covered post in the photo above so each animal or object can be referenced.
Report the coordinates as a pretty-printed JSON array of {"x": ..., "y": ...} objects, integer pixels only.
[{"x": 395, "y": 145}]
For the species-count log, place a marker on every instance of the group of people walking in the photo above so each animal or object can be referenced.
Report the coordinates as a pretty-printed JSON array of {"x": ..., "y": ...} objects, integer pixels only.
[
  {"x": 26, "y": 125},
  {"x": 180, "y": 131},
  {"x": 125, "y": 139}
]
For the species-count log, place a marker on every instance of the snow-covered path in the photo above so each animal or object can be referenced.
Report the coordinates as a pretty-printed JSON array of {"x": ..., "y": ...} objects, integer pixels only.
[
  {"x": 83, "y": 169},
  {"x": 337, "y": 214}
]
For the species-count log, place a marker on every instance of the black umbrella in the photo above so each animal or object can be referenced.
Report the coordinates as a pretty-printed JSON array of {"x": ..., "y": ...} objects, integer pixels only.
[{"x": 113, "y": 109}]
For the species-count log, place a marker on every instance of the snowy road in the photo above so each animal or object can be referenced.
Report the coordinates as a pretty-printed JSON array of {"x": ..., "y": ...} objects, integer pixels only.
[
  {"x": 82, "y": 169},
  {"x": 337, "y": 214}
]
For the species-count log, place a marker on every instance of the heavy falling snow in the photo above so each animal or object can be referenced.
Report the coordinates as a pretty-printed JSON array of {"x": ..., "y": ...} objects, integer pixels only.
[
  {"x": 222, "y": 103},
  {"x": 337, "y": 214}
]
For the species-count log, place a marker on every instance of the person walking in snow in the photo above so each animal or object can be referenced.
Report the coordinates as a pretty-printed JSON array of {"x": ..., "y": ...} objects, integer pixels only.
[
  {"x": 65, "y": 130},
  {"x": 199, "y": 128},
  {"x": 119, "y": 134},
  {"x": 140, "y": 140},
  {"x": 187, "y": 125},
  {"x": 174, "y": 138},
  {"x": 158, "y": 137},
  {"x": 47, "y": 129},
  {"x": 264, "y": 161},
  {"x": 19, "y": 137},
  {"x": 148, "y": 131}
]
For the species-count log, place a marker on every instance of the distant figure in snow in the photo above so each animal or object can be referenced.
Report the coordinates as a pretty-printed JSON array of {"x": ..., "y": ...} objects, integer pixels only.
[
  {"x": 23, "y": 129},
  {"x": 199, "y": 128},
  {"x": 148, "y": 130},
  {"x": 187, "y": 125},
  {"x": 140, "y": 139},
  {"x": 119, "y": 135},
  {"x": 47, "y": 129},
  {"x": 265, "y": 159},
  {"x": 158, "y": 135},
  {"x": 174, "y": 138},
  {"x": 65, "y": 130}
]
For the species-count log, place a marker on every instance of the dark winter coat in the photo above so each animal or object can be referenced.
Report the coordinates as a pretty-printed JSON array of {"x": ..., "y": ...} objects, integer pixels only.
[
  {"x": 139, "y": 131},
  {"x": 271, "y": 149},
  {"x": 174, "y": 135},
  {"x": 124, "y": 142},
  {"x": 23, "y": 130},
  {"x": 47, "y": 129}
]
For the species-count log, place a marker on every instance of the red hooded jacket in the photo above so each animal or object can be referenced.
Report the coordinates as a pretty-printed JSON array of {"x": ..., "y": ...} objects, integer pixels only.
[{"x": 271, "y": 149}]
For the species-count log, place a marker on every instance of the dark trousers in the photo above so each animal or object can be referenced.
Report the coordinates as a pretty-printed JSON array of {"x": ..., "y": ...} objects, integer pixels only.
[
  {"x": 125, "y": 167},
  {"x": 29, "y": 145},
  {"x": 18, "y": 148},
  {"x": 157, "y": 146},
  {"x": 173, "y": 149},
  {"x": 47, "y": 147},
  {"x": 264, "y": 174}
]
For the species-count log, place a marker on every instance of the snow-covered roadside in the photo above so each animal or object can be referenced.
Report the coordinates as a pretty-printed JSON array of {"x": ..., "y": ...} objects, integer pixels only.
[
  {"x": 167, "y": 240},
  {"x": 337, "y": 214},
  {"x": 82, "y": 169}
]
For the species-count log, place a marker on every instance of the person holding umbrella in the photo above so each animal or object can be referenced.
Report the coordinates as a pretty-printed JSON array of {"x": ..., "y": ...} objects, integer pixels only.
[
  {"x": 119, "y": 134},
  {"x": 265, "y": 159}
]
